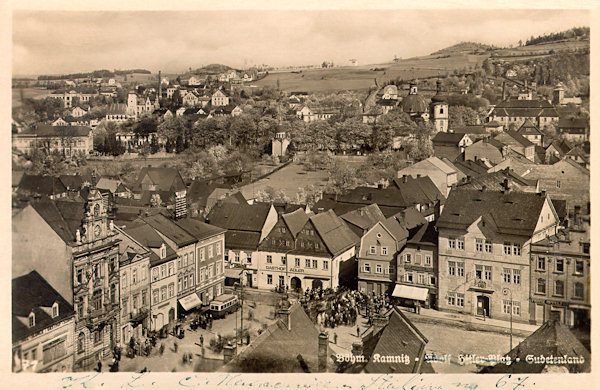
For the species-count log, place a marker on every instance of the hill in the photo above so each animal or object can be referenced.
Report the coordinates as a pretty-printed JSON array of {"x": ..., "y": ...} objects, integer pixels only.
[
  {"x": 465, "y": 48},
  {"x": 212, "y": 69}
]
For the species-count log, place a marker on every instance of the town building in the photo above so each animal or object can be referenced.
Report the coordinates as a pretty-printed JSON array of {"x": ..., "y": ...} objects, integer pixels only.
[
  {"x": 560, "y": 276},
  {"x": 514, "y": 111},
  {"x": 517, "y": 143},
  {"x": 305, "y": 251},
  {"x": 574, "y": 129},
  {"x": 377, "y": 256},
  {"x": 83, "y": 245},
  {"x": 414, "y": 104},
  {"x": 43, "y": 325},
  {"x": 439, "y": 109},
  {"x": 164, "y": 186},
  {"x": 67, "y": 140},
  {"x": 489, "y": 150},
  {"x": 247, "y": 226},
  {"x": 118, "y": 113},
  {"x": 279, "y": 144},
  {"x": 134, "y": 267},
  {"x": 219, "y": 99},
  {"x": 363, "y": 218},
  {"x": 417, "y": 267},
  {"x": 450, "y": 145},
  {"x": 443, "y": 176},
  {"x": 531, "y": 132},
  {"x": 162, "y": 275},
  {"x": 484, "y": 240}
]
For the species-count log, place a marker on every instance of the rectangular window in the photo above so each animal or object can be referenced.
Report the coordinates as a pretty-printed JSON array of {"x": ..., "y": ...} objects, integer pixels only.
[
  {"x": 488, "y": 246},
  {"x": 408, "y": 277},
  {"x": 307, "y": 263},
  {"x": 516, "y": 276},
  {"x": 432, "y": 280},
  {"x": 172, "y": 289},
  {"x": 134, "y": 276},
  {"x": 185, "y": 284},
  {"x": 506, "y": 306},
  {"x": 452, "y": 243},
  {"x": 236, "y": 257},
  {"x": 541, "y": 263},
  {"x": 460, "y": 243},
  {"x": 507, "y": 275},
  {"x": 325, "y": 264},
  {"x": 135, "y": 301},
  {"x": 124, "y": 280},
  {"x": 269, "y": 259},
  {"x": 559, "y": 288},
  {"x": 185, "y": 260},
  {"x": 315, "y": 264},
  {"x": 507, "y": 248},
  {"x": 418, "y": 258},
  {"x": 283, "y": 260},
  {"x": 125, "y": 307},
  {"x": 163, "y": 293},
  {"x": 378, "y": 268},
  {"x": 516, "y": 306},
  {"x": 210, "y": 251},
  {"x": 451, "y": 268},
  {"x": 427, "y": 260},
  {"x": 144, "y": 298},
  {"x": 80, "y": 276},
  {"x": 248, "y": 259},
  {"x": 171, "y": 268},
  {"x": 460, "y": 269},
  {"x": 191, "y": 280},
  {"x": 163, "y": 271},
  {"x": 479, "y": 272},
  {"x": 487, "y": 272},
  {"x": 384, "y": 250},
  {"x": 155, "y": 296},
  {"x": 201, "y": 254},
  {"x": 367, "y": 267},
  {"x": 179, "y": 283},
  {"x": 269, "y": 279},
  {"x": 516, "y": 249},
  {"x": 579, "y": 267},
  {"x": 421, "y": 278},
  {"x": 218, "y": 247},
  {"x": 297, "y": 262},
  {"x": 578, "y": 290},
  {"x": 372, "y": 250},
  {"x": 560, "y": 265},
  {"x": 460, "y": 299},
  {"x": 452, "y": 299},
  {"x": 479, "y": 245},
  {"x": 408, "y": 257}
]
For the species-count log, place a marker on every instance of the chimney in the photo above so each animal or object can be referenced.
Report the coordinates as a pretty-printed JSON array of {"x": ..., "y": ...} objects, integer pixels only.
[
  {"x": 506, "y": 186},
  {"x": 322, "y": 354},
  {"x": 357, "y": 348},
  {"x": 228, "y": 352},
  {"x": 418, "y": 175},
  {"x": 483, "y": 188}
]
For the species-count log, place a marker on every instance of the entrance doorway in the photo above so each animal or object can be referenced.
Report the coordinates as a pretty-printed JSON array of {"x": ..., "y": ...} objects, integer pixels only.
[
  {"x": 296, "y": 283},
  {"x": 483, "y": 306},
  {"x": 249, "y": 279},
  {"x": 171, "y": 316},
  {"x": 316, "y": 283}
]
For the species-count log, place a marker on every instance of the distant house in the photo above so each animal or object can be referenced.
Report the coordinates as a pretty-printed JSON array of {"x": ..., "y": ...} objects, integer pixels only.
[
  {"x": 68, "y": 140},
  {"x": 504, "y": 180},
  {"x": 203, "y": 194},
  {"x": 60, "y": 122},
  {"x": 190, "y": 99},
  {"x": 279, "y": 144},
  {"x": 164, "y": 182},
  {"x": 557, "y": 150},
  {"x": 475, "y": 132},
  {"x": 219, "y": 99},
  {"x": 531, "y": 132},
  {"x": 450, "y": 145},
  {"x": 486, "y": 149},
  {"x": 78, "y": 112},
  {"x": 442, "y": 175},
  {"x": 389, "y": 92},
  {"x": 42, "y": 326},
  {"x": 518, "y": 143},
  {"x": 363, "y": 218},
  {"x": 515, "y": 111},
  {"x": 574, "y": 129}
]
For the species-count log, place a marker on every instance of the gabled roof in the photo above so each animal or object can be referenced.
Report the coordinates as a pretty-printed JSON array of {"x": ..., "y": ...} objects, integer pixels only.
[
  {"x": 472, "y": 129},
  {"x": 364, "y": 217},
  {"x": 42, "y": 185},
  {"x": 396, "y": 228},
  {"x": 528, "y": 128},
  {"x": 108, "y": 184},
  {"x": 513, "y": 212},
  {"x": 170, "y": 229},
  {"x": 74, "y": 182},
  {"x": 243, "y": 217},
  {"x": 398, "y": 337},
  {"x": 198, "y": 229},
  {"x": 64, "y": 217},
  {"x": 200, "y": 189},
  {"x": 295, "y": 221},
  {"x": 117, "y": 109},
  {"x": 424, "y": 234},
  {"x": 32, "y": 293},
  {"x": 163, "y": 177},
  {"x": 495, "y": 181},
  {"x": 417, "y": 190},
  {"x": 336, "y": 235},
  {"x": 148, "y": 237},
  {"x": 562, "y": 146},
  {"x": 553, "y": 338},
  {"x": 448, "y": 138},
  {"x": 573, "y": 123},
  {"x": 410, "y": 218},
  {"x": 278, "y": 348},
  {"x": 516, "y": 137}
]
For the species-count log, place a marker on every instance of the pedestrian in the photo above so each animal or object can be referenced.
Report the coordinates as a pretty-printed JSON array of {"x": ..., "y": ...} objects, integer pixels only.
[
  {"x": 99, "y": 369},
  {"x": 175, "y": 346},
  {"x": 201, "y": 341},
  {"x": 357, "y": 331},
  {"x": 162, "y": 348},
  {"x": 335, "y": 338}
]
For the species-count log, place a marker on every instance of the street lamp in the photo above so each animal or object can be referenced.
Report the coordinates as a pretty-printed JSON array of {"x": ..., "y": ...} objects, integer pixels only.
[{"x": 507, "y": 291}]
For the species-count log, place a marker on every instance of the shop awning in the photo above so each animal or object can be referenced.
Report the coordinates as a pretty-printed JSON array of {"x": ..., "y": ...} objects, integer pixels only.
[
  {"x": 233, "y": 273},
  {"x": 190, "y": 302},
  {"x": 410, "y": 292}
]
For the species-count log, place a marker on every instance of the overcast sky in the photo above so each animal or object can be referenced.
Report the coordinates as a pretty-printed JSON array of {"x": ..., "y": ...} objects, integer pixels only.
[{"x": 65, "y": 42}]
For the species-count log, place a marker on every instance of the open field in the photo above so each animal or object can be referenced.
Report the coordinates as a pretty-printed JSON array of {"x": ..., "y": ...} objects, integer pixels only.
[
  {"x": 362, "y": 77},
  {"x": 27, "y": 93}
]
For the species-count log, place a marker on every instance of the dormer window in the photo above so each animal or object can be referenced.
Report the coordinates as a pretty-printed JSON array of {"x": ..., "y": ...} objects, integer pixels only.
[
  {"x": 55, "y": 310},
  {"x": 31, "y": 320},
  {"x": 163, "y": 251}
]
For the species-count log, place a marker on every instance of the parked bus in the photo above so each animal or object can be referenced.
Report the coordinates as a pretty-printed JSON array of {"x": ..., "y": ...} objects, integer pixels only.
[{"x": 223, "y": 305}]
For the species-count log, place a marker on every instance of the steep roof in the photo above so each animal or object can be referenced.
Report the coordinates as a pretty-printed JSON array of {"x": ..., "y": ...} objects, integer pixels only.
[
  {"x": 278, "y": 348},
  {"x": 494, "y": 180},
  {"x": 32, "y": 293},
  {"x": 424, "y": 234},
  {"x": 396, "y": 227},
  {"x": 198, "y": 229},
  {"x": 528, "y": 128},
  {"x": 44, "y": 130},
  {"x": 573, "y": 123},
  {"x": 336, "y": 235},
  {"x": 163, "y": 177},
  {"x": 364, "y": 217},
  {"x": 410, "y": 218},
  {"x": 42, "y": 185},
  {"x": 399, "y": 336},
  {"x": 148, "y": 237},
  {"x": 64, "y": 217},
  {"x": 471, "y": 129},
  {"x": 418, "y": 190},
  {"x": 295, "y": 221},
  {"x": 243, "y": 217},
  {"x": 516, "y": 138},
  {"x": 553, "y": 338},
  {"x": 74, "y": 182},
  {"x": 447, "y": 138},
  {"x": 200, "y": 189},
  {"x": 512, "y": 213},
  {"x": 170, "y": 229},
  {"x": 106, "y": 183}
]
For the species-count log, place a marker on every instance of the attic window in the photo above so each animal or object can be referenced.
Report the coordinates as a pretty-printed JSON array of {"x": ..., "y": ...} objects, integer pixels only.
[
  {"x": 31, "y": 320},
  {"x": 456, "y": 214},
  {"x": 508, "y": 202},
  {"x": 477, "y": 200},
  {"x": 378, "y": 235},
  {"x": 55, "y": 310}
]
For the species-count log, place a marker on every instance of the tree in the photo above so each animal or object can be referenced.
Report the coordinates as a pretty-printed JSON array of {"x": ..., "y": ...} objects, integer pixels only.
[
  {"x": 147, "y": 125},
  {"x": 462, "y": 116},
  {"x": 341, "y": 178},
  {"x": 352, "y": 135}
]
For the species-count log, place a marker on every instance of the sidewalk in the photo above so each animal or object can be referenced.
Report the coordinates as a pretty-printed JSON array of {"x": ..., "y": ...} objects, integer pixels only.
[{"x": 478, "y": 323}]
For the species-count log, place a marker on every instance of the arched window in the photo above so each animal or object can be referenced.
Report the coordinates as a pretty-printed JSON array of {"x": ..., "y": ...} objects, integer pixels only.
[
  {"x": 55, "y": 310},
  {"x": 31, "y": 320}
]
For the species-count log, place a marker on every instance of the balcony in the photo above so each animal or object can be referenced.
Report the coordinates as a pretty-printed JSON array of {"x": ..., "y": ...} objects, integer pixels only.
[
  {"x": 97, "y": 317},
  {"x": 481, "y": 285}
]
